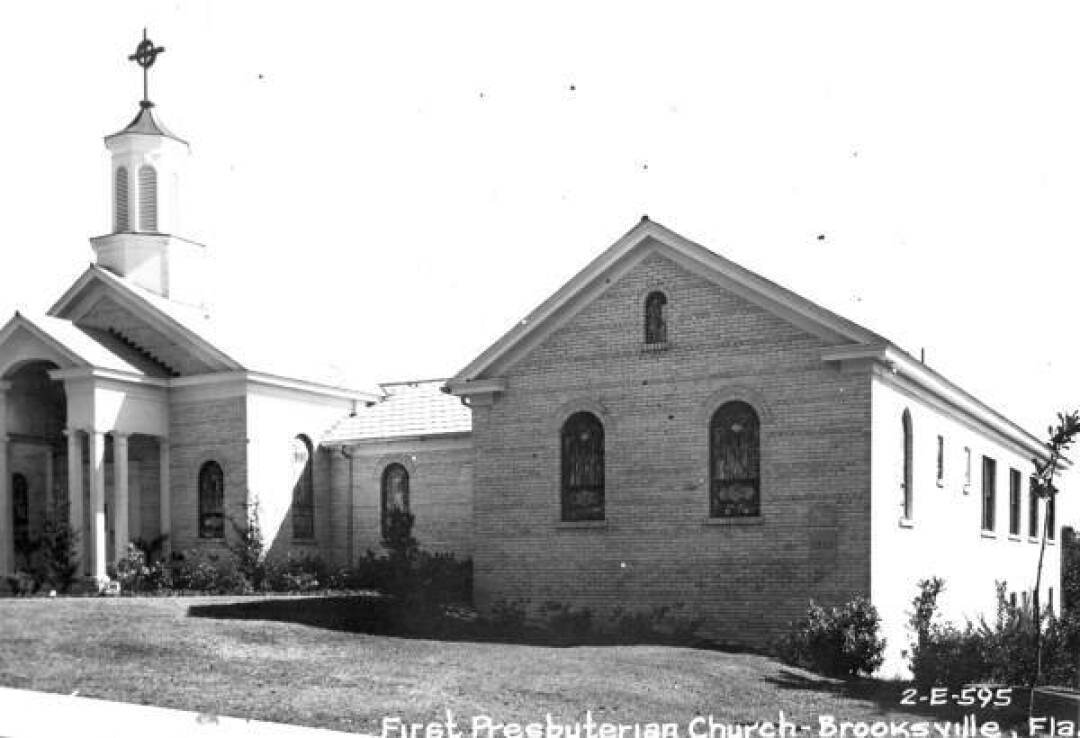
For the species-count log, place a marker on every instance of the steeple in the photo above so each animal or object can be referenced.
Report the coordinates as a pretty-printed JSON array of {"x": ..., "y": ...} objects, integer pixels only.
[{"x": 146, "y": 168}]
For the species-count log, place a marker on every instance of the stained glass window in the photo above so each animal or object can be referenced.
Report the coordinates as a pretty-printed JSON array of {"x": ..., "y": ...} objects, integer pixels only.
[
  {"x": 582, "y": 468},
  {"x": 395, "y": 492},
  {"x": 303, "y": 502},
  {"x": 211, "y": 501},
  {"x": 655, "y": 322},
  {"x": 735, "y": 461}
]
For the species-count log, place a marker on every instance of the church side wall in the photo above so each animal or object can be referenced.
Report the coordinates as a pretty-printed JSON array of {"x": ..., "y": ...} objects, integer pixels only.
[
  {"x": 944, "y": 536},
  {"x": 275, "y": 418},
  {"x": 440, "y": 493},
  {"x": 745, "y": 579},
  {"x": 200, "y": 430}
]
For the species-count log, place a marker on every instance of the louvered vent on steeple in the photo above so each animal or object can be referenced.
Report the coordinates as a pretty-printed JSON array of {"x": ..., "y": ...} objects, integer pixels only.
[
  {"x": 121, "y": 222},
  {"x": 148, "y": 210}
]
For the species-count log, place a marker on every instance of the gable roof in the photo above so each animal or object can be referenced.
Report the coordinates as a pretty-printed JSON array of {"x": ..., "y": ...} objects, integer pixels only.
[
  {"x": 70, "y": 341},
  {"x": 408, "y": 409},
  {"x": 849, "y": 341},
  {"x": 643, "y": 239},
  {"x": 222, "y": 347}
]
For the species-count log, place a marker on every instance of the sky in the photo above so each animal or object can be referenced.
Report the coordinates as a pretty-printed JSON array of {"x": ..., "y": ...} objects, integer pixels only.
[{"x": 389, "y": 187}]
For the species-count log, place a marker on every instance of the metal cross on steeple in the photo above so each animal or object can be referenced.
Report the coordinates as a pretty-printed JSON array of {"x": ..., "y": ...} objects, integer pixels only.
[{"x": 145, "y": 55}]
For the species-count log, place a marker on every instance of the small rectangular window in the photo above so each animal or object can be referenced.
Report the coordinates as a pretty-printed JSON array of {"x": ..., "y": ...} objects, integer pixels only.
[
  {"x": 1050, "y": 600},
  {"x": 1033, "y": 510},
  {"x": 1050, "y": 514},
  {"x": 989, "y": 492},
  {"x": 940, "y": 460},
  {"x": 967, "y": 468},
  {"x": 1014, "y": 502}
]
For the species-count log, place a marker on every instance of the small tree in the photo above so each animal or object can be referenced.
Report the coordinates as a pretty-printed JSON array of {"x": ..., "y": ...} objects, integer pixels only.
[
  {"x": 248, "y": 547},
  {"x": 59, "y": 548},
  {"x": 1042, "y": 485}
]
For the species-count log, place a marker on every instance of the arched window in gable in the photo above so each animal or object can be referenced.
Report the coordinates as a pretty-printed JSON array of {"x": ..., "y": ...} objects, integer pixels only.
[
  {"x": 148, "y": 200},
  {"x": 303, "y": 501},
  {"x": 211, "y": 501},
  {"x": 655, "y": 320},
  {"x": 735, "y": 461},
  {"x": 395, "y": 493},
  {"x": 908, "y": 481},
  {"x": 582, "y": 441},
  {"x": 121, "y": 222},
  {"x": 20, "y": 504}
]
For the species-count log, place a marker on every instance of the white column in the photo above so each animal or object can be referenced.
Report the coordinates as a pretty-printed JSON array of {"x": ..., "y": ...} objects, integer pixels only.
[
  {"x": 75, "y": 494},
  {"x": 7, "y": 527},
  {"x": 98, "y": 533},
  {"x": 165, "y": 495},
  {"x": 120, "y": 494}
]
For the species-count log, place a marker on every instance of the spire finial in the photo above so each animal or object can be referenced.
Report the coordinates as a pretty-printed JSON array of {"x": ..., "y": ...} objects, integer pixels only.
[{"x": 145, "y": 55}]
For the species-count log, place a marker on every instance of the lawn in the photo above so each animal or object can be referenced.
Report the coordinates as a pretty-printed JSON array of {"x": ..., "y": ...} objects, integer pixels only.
[{"x": 303, "y": 661}]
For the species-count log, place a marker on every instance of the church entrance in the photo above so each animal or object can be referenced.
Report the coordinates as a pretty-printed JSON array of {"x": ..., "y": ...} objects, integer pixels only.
[{"x": 37, "y": 455}]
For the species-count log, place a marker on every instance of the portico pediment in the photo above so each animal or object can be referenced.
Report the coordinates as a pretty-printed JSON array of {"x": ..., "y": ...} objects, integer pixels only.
[{"x": 161, "y": 337}]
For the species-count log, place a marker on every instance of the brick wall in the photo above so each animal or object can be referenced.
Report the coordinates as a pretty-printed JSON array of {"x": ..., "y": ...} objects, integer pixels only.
[
  {"x": 440, "y": 493},
  {"x": 657, "y": 546},
  {"x": 200, "y": 431}
]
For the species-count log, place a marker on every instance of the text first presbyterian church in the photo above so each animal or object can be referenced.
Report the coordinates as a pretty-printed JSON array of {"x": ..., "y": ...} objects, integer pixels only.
[{"x": 667, "y": 429}]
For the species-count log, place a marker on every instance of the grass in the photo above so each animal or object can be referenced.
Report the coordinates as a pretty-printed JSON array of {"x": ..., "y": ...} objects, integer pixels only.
[{"x": 303, "y": 661}]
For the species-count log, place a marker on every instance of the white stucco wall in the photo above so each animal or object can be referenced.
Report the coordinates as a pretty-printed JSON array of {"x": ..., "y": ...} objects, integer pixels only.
[
  {"x": 275, "y": 416},
  {"x": 944, "y": 536}
]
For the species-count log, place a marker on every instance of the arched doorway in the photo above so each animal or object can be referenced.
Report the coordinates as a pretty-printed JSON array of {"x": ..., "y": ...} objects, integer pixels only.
[{"x": 35, "y": 418}]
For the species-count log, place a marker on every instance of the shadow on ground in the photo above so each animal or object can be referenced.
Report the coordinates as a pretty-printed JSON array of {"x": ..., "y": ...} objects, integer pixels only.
[
  {"x": 888, "y": 697},
  {"x": 380, "y": 615}
]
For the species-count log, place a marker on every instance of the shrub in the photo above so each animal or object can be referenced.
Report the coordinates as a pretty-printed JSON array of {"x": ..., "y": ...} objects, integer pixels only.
[
  {"x": 57, "y": 560},
  {"x": 838, "y": 642},
  {"x": 507, "y": 617},
  {"x": 942, "y": 654},
  {"x": 297, "y": 573},
  {"x": 206, "y": 572},
  {"x": 566, "y": 624},
  {"x": 248, "y": 548}
]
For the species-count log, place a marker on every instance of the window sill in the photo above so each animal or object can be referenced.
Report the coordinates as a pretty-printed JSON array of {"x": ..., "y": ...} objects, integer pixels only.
[
  {"x": 1014, "y": 538},
  {"x": 1033, "y": 539},
  {"x": 940, "y": 483},
  {"x": 580, "y": 524},
  {"x": 988, "y": 534},
  {"x": 967, "y": 489},
  {"x": 653, "y": 347},
  {"x": 305, "y": 542},
  {"x": 906, "y": 523},
  {"x": 747, "y": 520}
]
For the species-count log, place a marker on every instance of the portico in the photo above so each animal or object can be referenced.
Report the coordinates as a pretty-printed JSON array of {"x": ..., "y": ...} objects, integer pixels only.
[{"x": 78, "y": 442}]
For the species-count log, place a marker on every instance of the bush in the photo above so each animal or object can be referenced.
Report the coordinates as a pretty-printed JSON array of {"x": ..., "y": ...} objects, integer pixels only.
[
  {"x": 297, "y": 573},
  {"x": 565, "y": 624},
  {"x": 838, "y": 642},
  {"x": 57, "y": 559},
  {"x": 942, "y": 654},
  {"x": 205, "y": 572}
]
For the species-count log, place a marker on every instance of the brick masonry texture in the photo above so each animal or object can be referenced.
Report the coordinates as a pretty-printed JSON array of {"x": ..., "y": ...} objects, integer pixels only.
[
  {"x": 202, "y": 431},
  {"x": 440, "y": 494},
  {"x": 746, "y": 580}
]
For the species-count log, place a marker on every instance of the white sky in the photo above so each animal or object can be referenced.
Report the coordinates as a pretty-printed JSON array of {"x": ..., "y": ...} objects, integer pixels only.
[{"x": 393, "y": 185}]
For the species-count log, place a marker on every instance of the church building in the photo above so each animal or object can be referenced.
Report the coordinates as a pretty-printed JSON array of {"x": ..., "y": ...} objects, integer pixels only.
[{"x": 668, "y": 429}]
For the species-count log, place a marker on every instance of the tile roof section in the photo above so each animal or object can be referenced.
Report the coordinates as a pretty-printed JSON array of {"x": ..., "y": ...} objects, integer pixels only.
[{"x": 408, "y": 409}]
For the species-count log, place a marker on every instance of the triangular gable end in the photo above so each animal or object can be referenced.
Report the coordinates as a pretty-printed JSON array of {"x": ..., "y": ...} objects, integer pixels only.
[
  {"x": 21, "y": 340},
  {"x": 646, "y": 238},
  {"x": 97, "y": 289}
]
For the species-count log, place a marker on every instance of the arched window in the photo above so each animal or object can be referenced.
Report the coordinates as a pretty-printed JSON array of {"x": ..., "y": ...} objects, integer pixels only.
[
  {"x": 121, "y": 222},
  {"x": 211, "y": 501},
  {"x": 20, "y": 503},
  {"x": 395, "y": 492},
  {"x": 735, "y": 461},
  {"x": 148, "y": 199},
  {"x": 655, "y": 322},
  {"x": 582, "y": 468},
  {"x": 907, "y": 482},
  {"x": 303, "y": 501}
]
